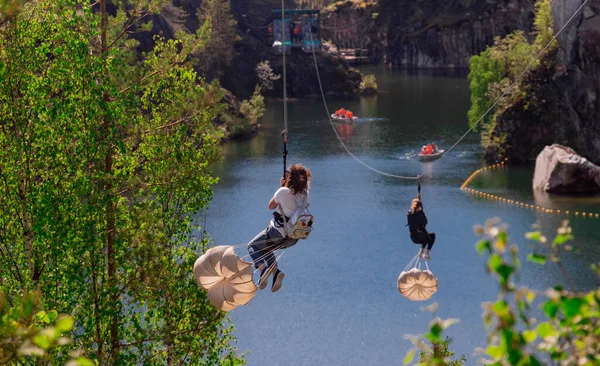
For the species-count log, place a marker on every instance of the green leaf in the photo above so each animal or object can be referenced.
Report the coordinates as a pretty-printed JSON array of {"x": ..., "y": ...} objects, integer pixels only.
[
  {"x": 42, "y": 317},
  {"x": 545, "y": 330},
  {"x": 65, "y": 324},
  {"x": 505, "y": 271},
  {"x": 561, "y": 239},
  {"x": 495, "y": 262},
  {"x": 534, "y": 235},
  {"x": 571, "y": 306},
  {"x": 502, "y": 237},
  {"x": 84, "y": 361},
  {"x": 41, "y": 341},
  {"x": 409, "y": 357},
  {"x": 52, "y": 315},
  {"x": 501, "y": 307},
  {"x": 482, "y": 245},
  {"x": 536, "y": 258},
  {"x": 529, "y": 335},
  {"x": 435, "y": 331},
  {"x": 494, "y": 351}
]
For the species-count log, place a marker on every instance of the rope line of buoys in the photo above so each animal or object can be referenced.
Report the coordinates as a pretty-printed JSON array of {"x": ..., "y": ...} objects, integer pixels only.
[{"x": 517, "y": 203}]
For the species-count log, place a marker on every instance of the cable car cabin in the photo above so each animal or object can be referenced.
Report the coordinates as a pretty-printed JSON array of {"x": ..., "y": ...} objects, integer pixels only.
[{"x": 301, "y": 29}]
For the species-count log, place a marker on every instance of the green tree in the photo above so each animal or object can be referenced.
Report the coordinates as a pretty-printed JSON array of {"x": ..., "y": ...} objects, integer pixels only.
[
  {"x": 543, "y": 24},
  {"x": 499, "y": 66},
  {"x": 253, "y": 108},
  {"x": 368, "y": 84},
  {"x": 265, "y": 75},
  {"x": 104, "y": 158},
  {"x": 218, "y": 52}
]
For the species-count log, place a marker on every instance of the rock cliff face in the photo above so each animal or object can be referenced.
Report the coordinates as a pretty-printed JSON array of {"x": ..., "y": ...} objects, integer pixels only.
[
  {"x": 563, "y": 105},
  {"x": 428, "y": 33},
  {"x": 253, "y": 18},
  {"x": 447, "y": 33}
]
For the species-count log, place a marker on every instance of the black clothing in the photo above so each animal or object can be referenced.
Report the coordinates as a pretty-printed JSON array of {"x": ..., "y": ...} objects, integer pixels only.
[{"x": 418, "y": 234}]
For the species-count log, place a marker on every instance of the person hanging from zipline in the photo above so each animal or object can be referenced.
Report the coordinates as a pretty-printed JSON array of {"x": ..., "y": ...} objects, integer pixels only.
[
  {"x": 417, "y": 221},
  {"x": 291, "y": 221}
]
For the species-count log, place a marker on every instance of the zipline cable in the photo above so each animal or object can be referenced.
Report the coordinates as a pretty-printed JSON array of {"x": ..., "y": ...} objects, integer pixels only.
[
  {"x": 335, "y": 131},
  {"x": 466, "y": 133},
  {"x": 516, "y": 80}
]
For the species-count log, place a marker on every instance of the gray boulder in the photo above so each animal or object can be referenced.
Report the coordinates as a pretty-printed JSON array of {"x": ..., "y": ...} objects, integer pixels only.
[{"x": 558, "y": 169}]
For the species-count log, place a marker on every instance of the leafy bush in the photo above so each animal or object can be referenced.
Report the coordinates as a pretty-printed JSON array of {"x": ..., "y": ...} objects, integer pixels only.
[
  {"x": 265, "y": 75},
  {"x": 568, "y": 333},
  {"x": 253, "y": 108},
  {"x": 368, "y": 85}
]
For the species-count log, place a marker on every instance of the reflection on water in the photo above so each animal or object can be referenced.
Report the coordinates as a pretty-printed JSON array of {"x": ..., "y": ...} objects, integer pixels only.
[
  {"x": 344, "y": 130},
  {"x": 339, "y": 304}
]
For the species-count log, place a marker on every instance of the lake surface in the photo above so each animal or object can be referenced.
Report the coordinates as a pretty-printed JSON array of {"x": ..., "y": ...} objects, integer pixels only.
[{"x": 339, "y": 304}]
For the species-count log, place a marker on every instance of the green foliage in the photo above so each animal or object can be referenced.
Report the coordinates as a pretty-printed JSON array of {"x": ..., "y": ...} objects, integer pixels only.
[
  {"x": 494, "y": 70},
  {"x": 484, "y": 71},
  {"x": 438, "y": 354},
  {"x": 441, "y": 355},
  {"x": 253, "y": 108},
  {"x": 265, "y": 75},
  {"x": 491, "y": 73},
  {"x": 543, "y": 24},
  {"x": 28, "y": 334},
  {"x": 568, "y": 333},
  {"x": 218, "y": 52},
  {"x": 105, "y": 157},
  {"x": 368, "y": 84}
]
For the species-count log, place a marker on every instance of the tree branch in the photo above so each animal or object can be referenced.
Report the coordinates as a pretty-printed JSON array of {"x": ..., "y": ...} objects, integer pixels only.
[{"x": 128, "y": 24}]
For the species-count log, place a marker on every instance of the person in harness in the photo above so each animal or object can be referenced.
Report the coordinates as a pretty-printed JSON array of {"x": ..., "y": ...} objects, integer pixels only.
[
  {"x": 416, "y": 224},
  {"x": 289, "y": 200}
]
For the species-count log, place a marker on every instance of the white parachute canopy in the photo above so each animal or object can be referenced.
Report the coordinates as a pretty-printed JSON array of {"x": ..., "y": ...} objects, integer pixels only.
[
  {"x": 226, "y": 277},
  {"x": 417, "y": 284}
]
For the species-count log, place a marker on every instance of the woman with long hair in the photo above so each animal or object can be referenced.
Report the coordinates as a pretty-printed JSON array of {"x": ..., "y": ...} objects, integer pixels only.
[
  {"x": 294, "y": 189},
  {"x": 417, "y": 221}
]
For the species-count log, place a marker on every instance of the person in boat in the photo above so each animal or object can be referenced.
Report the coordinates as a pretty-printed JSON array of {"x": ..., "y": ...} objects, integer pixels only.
[
  {"x": 349, "y": 115},
  {"x": 429, "y": 149},
  {"x": 434, "y": 147},
  {"x": 340, "y": 113},
  {"x": 417, "y": 221},
  {"x": 423, "y": 150},
  {"x": 261, "y": 248}
]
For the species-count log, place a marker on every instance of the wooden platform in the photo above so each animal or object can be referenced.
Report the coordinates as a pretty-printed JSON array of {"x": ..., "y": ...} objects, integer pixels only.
[{"x": 354, "y": 55}]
